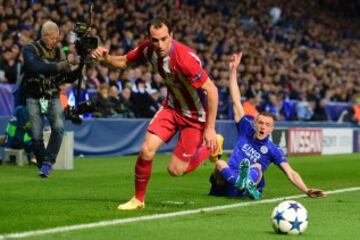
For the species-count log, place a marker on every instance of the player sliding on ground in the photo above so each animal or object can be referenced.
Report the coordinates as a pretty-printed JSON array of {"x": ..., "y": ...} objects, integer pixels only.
[
  {"x": 243, "y": 174},
  {"x": 190, "y": 106}
]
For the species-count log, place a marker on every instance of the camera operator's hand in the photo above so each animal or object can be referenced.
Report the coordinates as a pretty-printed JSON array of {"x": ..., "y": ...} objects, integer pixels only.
[
  {"x": 100, "y": 54},
  {"x": 73, "y": 60},
  {"x": 63, "y": 66}
]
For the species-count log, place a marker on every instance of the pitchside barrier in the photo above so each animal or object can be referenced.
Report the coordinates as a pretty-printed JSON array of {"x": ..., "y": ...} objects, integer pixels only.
[
  {"x": 64, "y": 159},
  {"x": 114, "y": 137}
]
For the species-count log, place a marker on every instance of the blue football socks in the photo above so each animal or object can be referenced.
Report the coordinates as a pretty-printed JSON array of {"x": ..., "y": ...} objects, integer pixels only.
[
  {"x": 254, "y": 174},
  {"x": 228, "y": 175},
  {"x": 244, "y": 170}
]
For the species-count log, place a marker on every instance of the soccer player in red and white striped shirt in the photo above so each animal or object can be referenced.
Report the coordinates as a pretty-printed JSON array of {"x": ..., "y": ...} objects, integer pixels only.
[{"x": 190, "y": 107}]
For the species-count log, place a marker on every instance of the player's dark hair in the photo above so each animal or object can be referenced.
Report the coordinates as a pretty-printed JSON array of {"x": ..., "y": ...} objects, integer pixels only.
[
  {"x": 157, "y": 23},
  {"x": 269, "y": 114}
]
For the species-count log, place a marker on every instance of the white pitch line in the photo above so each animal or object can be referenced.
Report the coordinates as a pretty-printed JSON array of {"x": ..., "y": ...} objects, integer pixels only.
[{"x": 156, "y": 216}]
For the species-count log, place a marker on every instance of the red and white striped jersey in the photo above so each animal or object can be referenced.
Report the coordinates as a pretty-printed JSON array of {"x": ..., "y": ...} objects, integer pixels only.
[{"x": 182, "y": 74}]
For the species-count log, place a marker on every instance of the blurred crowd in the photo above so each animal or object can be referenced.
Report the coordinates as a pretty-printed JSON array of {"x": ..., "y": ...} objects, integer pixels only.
[{"x": 298, "y": 56}]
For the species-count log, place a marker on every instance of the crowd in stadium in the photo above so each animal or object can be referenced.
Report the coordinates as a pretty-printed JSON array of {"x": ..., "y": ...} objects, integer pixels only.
[{"x": 298, "y": 55}]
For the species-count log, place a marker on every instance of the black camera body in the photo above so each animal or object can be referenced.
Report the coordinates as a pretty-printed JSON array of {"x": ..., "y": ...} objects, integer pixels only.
[
  {"x": 84, "y": 43},
  {"x": 72, "y": 113}
]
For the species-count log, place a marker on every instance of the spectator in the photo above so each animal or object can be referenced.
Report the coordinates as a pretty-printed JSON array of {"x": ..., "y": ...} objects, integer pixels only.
[
  {"x": 319, "y": 111},
  {"x": 155, "y": 96},
  {"x": 103, "y": 75},
  {"x": 148, "y": 80},
  {"x": 105, "y": 107},
  {"x": 126, "y": 105},
  {"x": 297, "y": 52},
  {"x": 144, "y": 105},
  {"x": 273, "y": 106},
  {"x": 114, "y": 80},
  {"x": 275, "y": 14},
  {"x": 304, "y": 108},
  {"x": 352, "y": 114},
  {"x": 223, "y": 91},
  {"x": 356, "y": 110},
  {"x": 10, "y": 65},
  {"x": 157, "y": 82},
  {"x": 91, "y": 80},
  {"x": 64, "y": 99},
  {"x": 18, "y": 132},
  {"x": 252, "y": 104},
  {"x": 162, "y": 93},
  {"x": 114, "y": 98}
]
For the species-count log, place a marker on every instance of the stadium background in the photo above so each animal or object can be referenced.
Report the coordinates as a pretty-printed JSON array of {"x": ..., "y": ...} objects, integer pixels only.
[{"x": 301, "y": 60}]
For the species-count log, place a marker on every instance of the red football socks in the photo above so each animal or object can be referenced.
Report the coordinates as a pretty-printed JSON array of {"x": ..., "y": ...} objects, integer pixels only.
[
  {"x": 198, "y": 158},
  {"x": 142, "y": 176}
]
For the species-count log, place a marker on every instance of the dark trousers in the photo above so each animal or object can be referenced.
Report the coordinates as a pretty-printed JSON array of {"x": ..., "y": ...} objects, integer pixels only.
[{"x": 55, "y": 118}]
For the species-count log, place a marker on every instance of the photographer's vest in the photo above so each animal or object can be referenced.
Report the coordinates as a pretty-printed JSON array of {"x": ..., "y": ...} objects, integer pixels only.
[{"x": 39, "y": 85}]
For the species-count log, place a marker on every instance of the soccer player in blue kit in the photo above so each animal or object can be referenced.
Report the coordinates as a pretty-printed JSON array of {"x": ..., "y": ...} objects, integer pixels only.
[{"x": 243, "y": 174}]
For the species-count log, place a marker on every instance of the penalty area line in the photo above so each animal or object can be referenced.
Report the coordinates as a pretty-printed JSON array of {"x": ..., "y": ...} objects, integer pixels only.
[{"x": 157, "y": 216}]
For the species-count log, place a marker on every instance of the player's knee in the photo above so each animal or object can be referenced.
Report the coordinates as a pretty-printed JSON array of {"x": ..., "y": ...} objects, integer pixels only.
[
  {"x": 220, "y": 165},
  {"x": 147, "y": 152}
]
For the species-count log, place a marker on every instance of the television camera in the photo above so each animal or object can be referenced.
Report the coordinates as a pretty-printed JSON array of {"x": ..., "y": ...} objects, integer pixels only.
[{"x": 84, "y": 44}]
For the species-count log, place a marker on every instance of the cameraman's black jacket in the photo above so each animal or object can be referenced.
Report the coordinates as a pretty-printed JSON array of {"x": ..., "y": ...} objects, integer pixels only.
[{"x": 43, "y": 70}]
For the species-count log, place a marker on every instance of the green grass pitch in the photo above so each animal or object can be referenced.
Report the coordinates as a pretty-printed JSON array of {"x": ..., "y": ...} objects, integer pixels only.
[{"x": 92, "y": 191}]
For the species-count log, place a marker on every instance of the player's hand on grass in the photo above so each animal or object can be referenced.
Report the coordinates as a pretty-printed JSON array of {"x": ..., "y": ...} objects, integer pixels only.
[
  {"x": 315, "y": 193},
  {"x": 210, "y": 139}
]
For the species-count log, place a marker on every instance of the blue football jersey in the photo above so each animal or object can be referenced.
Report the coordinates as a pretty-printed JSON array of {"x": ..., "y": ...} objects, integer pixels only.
[{"x": 247, "y": 146}]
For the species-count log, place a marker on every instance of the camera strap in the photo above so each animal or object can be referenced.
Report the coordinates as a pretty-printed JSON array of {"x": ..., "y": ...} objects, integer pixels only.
[
  {"x": 47, "y": 84},
  {"x": 42, "y": 52}
]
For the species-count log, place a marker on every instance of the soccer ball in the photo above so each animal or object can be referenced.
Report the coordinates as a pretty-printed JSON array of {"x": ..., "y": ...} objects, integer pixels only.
[{"x": 289, "y": 217}]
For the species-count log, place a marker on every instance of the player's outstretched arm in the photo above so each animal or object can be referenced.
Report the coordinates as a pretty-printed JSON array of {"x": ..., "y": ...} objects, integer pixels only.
[
  {"x": 102, "y": 54},
  {"x": 234, "y": 88},
  {"x": 296, "y": 179}
]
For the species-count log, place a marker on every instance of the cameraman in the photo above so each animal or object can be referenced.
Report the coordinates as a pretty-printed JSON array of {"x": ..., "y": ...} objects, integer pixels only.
[{"x": 45, "y": 67}]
